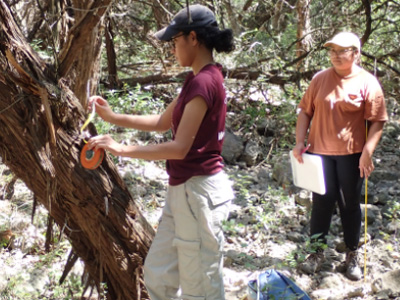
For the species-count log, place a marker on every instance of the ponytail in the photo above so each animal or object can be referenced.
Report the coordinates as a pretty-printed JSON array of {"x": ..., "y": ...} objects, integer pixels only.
[{"x": 214, "y": 38}]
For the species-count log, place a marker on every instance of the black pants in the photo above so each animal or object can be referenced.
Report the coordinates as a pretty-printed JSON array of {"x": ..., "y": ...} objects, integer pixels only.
[{"x": 343, "y": 186}]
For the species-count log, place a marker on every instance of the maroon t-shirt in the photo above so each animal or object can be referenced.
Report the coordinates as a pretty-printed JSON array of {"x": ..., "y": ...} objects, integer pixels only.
[{"x": 204, "y": 157}]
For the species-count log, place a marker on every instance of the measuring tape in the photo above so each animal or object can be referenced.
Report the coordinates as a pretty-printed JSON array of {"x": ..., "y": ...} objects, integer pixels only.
[{"x": 90, "y": 158}]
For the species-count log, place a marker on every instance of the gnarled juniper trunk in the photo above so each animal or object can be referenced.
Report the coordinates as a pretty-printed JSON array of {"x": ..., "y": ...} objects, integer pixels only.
[{"x": 40, "y": 142}]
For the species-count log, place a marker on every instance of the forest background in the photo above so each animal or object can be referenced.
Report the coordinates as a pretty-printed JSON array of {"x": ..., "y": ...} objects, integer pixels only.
[{"x": 56, "y": 53}]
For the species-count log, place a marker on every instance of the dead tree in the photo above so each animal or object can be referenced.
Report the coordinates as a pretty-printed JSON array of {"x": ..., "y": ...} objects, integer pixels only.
[{"x": 40, "y": 141}]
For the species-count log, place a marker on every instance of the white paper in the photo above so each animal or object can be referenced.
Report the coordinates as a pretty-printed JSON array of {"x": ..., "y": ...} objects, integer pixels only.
[{"x": 310, "y": 174}]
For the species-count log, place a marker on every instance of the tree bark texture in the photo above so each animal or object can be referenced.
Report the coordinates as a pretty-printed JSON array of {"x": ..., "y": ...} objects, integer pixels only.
[
  {"x": 111, "y": 56},
  {"x": 303, "y": 30},
  {"x": 40, "y": 142},
  {"x": 80, "y": 57}
]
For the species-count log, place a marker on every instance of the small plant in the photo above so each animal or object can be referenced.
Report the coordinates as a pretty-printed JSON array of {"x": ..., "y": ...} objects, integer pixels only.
[
  {"x": 248, "y": 261},
  {"x": 53, "y": 256},
  {"x": 241, "y": 183},
  {"x": 393, "y": 213},
  {"x": 231, "y": 227},
  {"x": 312, "y": 245}
]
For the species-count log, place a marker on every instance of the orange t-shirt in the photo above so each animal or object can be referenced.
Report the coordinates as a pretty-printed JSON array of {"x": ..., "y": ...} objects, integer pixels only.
[{"x": 339, "y": 107}]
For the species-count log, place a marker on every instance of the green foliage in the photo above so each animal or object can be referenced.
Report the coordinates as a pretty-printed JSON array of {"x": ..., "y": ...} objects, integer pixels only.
[
  {"x": 241, "y": 183},
  {"x": 47, "y": 259},
  {"x": 133, "y": 100},
  {"x": 393, "y": 212},
  {"x": 72, "y": 287},
  {"x": 231, "y": 227},
  {"x": 312, "y": 245},
  {"x": 43, "y": 49},
  {"x": 129, "y": 100},
  {"x": 248, "y": 261},
  {"x": 3, "y": 242}
]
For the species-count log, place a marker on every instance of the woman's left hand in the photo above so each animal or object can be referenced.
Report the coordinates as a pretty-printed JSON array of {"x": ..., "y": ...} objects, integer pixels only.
[
  {"x": 366, "y": 165},
  {"x": 105, "y": 142}
]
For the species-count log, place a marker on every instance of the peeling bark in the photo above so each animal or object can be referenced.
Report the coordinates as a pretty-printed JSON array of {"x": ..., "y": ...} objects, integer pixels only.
[{"x": 40, "y": 142}]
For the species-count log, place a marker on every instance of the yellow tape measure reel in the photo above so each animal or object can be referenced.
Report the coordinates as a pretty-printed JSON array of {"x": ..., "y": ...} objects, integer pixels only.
[{"x": 90, "y": 158}]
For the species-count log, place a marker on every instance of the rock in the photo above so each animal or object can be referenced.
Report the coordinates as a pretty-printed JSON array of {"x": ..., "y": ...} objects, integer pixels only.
[
  {"x": 332, "y": 281},
  {"x": 267, "y": 127},
  {"x": 373, "y": 213},
  {"x": 295, "y": 237},
  {"x": 250, "y": 154},
  {"x": 393, "y": 226},
  {"x": 325, "y": 294},
  {"x": 392, "y": 130},
  {"x": 388, "y": 281},
  {"x": 38, "y": 280},
  {"x": 282, "y": 172},
  {"x": 303, "y": 198},
  {"x": 357, "y": 292},
  {"x": 383, "y": 295},
  {"x": 383, "y": 175},
  {"x": 137, "y": 190},
  {"x": 232, "y": 147},
  {"x": 264, "y": 176},
  {"x": 381, "y": 198}
]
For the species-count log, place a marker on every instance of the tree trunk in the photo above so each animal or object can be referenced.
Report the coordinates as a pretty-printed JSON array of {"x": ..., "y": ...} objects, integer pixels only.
[
  {"x": 80, "y": 58},
  {"x": 234, "y": 24},
  {"x": 40, "y": 142},
  {"x": 303, "y": 31},
  {"x": 113, "y": 81}
]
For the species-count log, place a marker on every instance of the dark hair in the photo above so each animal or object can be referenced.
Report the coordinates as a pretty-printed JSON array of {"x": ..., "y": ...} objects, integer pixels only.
[{"x": 214, "y": 38}]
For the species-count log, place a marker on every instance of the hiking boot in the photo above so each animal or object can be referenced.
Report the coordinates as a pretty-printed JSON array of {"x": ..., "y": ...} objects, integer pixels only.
[
  {"x": 353, "y": 270},
  {"x": 313, "y": 263}
]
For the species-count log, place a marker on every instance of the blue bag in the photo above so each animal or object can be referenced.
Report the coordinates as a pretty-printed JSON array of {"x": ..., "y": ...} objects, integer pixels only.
[{"x": 273, "y": 285}]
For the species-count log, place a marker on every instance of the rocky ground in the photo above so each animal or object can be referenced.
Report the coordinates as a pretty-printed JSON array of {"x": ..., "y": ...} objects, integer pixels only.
[{"x": 267, "y": 228}]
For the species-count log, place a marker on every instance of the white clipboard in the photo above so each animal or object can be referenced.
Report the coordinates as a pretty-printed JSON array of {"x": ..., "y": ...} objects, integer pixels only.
[{"x": 310, "y": 174}]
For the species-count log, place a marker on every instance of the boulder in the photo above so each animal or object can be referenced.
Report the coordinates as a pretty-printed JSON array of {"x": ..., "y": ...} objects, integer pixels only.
[{"x": 388, "y": 281}]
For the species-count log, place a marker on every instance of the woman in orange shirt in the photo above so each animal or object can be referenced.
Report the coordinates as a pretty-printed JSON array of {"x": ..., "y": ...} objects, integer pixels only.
[{"x": 340, "y": 101}]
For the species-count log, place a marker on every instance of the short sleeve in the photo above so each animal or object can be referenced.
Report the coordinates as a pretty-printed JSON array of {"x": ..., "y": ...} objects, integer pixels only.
[
  {"x": 307, "y": 104},
  {"x": 201, "y": 85},
  {"x": 375, "y": 108}
]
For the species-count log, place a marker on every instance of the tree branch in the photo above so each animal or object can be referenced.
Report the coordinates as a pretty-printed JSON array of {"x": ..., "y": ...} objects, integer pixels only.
[
  {"x": 78, "y": 34},
  {"x": 382, "y": 62},
  {"x": 368, "y": 25},
  {"x": 239, "y": 73}
]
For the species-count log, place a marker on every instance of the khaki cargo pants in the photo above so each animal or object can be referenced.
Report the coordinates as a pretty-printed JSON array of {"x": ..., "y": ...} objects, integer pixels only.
[{"x": 185, "y": 259}]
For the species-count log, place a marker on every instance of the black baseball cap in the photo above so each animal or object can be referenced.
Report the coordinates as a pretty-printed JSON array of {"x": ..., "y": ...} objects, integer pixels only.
[{"x": 199, "y": 16}]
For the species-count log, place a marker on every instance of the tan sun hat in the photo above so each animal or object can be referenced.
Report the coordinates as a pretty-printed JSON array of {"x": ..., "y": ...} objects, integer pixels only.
[{"x": 345, "y": 39}]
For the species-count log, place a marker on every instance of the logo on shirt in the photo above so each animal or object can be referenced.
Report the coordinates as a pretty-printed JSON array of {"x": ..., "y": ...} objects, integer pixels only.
[
  {"x": 354, "y": 99},
  {"x": 221, "y": 135}
]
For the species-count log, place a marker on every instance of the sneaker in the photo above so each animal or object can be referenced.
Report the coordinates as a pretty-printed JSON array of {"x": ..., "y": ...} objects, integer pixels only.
[
  {"x": 313, "y": 263},
  {"x": 353, "y": 270}
]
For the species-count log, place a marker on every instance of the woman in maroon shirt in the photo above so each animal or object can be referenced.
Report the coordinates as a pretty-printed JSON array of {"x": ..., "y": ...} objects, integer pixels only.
[{"x": 185, "y": 258}]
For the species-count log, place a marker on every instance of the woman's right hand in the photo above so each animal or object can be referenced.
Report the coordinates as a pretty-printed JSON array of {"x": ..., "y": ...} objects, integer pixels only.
[
  {"x": 298, "y": 150},
  {"x": 102, "y": 107}
]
